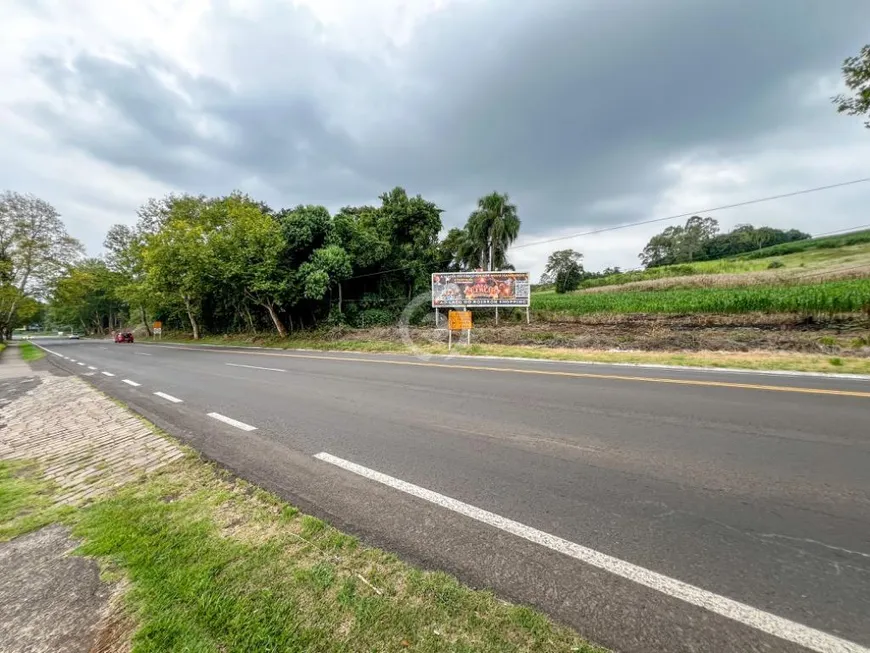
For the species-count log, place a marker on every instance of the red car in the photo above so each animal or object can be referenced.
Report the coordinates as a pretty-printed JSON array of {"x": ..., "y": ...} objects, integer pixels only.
[{"x": 123, "y": 336}]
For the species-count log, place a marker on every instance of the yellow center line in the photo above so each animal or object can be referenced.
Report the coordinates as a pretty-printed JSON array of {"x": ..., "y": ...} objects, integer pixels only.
[{"x": 513, "y": 370}]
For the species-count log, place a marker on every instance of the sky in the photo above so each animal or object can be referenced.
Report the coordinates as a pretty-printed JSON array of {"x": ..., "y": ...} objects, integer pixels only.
[{"x": 589, "y": 113}]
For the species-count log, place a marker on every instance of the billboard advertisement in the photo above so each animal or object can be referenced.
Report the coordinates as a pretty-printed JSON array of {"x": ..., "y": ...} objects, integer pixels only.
[{"x": 469, "y": 289}]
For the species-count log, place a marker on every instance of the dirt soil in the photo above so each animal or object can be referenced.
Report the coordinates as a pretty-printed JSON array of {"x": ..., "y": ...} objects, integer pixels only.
[{"x": 844, "y": 335}]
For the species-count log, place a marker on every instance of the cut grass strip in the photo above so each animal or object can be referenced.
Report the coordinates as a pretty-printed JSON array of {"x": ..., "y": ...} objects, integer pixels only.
[
  {"x": 26, "y": 500},
  {"x": 751, "y": 360},
  {"x": 215, "y": 564},
  {"x": 30, "y": 352}
]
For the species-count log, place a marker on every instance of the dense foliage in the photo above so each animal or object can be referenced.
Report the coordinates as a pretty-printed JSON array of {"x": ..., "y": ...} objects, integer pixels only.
[
  {"x": 231, "y": 263},
  {"x": 828, "y": 242},
  {"x": 699, "y": 240}
]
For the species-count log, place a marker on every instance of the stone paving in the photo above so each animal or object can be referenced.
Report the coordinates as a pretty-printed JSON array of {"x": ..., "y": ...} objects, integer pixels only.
[{"x": 82, "y": 440}]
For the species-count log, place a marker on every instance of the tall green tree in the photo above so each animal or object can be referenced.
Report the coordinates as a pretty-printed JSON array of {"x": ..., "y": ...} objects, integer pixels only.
[
  {"x": 178, "y": 258},
  {"x": 35, "y": 249},
  {"x": 565, "y": 269},
  {"x": 85, "y": 298},
  {"x": 856, "y": 75},
  {"x": 248, "y": 255},
  {"x": 492, "y": 228}
]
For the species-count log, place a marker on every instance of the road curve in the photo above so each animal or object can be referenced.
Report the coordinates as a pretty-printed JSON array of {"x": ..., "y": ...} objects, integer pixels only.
[{"x": 652, "y": 510}]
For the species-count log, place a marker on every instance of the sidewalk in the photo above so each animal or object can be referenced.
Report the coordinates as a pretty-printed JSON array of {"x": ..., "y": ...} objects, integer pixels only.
[{"x": 86, "y": 445}]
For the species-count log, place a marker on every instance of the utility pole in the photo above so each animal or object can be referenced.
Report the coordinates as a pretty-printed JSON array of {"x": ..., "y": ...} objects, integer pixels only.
[{"x": 490, "y": 268}]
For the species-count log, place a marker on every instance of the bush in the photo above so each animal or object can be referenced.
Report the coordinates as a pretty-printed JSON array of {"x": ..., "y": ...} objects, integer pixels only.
[
  {"x": 775, "y": 264},
  {"x": 372, "y": 317}
]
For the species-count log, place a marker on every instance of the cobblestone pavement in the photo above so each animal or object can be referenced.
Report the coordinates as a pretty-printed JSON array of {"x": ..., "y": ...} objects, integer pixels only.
[{"x": 82, "y": 440}]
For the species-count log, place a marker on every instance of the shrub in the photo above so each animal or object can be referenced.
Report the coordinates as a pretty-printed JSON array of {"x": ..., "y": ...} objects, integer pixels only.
[{"x": 775, "y": 264}]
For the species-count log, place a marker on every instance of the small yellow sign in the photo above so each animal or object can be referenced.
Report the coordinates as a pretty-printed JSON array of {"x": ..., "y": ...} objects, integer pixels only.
[{"x": 459, "y": 320}]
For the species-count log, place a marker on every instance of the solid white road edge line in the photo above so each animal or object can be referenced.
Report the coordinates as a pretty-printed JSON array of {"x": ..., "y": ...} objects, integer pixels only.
[
  {"x": 232, "y": 422},
  {"x": 163, "y": 395},
  {"x": 254, "y": 367},
  {"x": 133, "y": 383},
  {"x": 791, "y": 631},
  {"x": 108, "y": 374}
]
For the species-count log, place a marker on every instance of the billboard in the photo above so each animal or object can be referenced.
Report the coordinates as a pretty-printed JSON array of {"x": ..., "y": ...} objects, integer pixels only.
[{"x": 480, "y": 289}]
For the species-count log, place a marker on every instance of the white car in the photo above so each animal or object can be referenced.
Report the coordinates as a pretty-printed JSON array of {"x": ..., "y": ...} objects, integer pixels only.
[{"x": 73, "y": 336}]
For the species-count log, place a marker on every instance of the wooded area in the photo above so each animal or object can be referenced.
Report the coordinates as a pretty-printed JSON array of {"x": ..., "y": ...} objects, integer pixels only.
[{"x": 234, "y": 264}]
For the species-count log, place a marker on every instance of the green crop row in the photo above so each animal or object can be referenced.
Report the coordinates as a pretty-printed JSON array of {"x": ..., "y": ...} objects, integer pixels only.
[{"x": 832, "y": 297}]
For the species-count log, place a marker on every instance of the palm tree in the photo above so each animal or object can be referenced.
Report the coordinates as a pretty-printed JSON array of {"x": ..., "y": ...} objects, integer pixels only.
[{"x": 492, "y": 227}]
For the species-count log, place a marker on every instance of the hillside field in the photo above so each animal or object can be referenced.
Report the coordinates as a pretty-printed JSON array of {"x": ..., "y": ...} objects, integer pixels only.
[{"x": 825, "y": 276}]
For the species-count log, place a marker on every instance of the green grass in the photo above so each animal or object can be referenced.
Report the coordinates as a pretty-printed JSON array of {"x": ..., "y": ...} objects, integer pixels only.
[
  {"x": 216, "y": 568},
  {"x": 828, "y": 242},
  {"x": 217, "y": 565},
  {"x": 31, "y": 352},
  {"x": 824, "y": 298},
  {"x": 799, "y": 255},
  {"x": 25, "y": 500},
  {"x": 753, "y": 360}
]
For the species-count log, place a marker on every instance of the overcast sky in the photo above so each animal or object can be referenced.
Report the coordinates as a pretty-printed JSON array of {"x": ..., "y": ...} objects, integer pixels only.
[{"x": 587, "y": 112}]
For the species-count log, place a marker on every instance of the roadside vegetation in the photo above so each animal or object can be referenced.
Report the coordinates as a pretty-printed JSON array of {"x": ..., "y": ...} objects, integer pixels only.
[
  {"x": 216, "y": 564},
  {"x": 827, "y": 298},
  {"x": 825, "y": 354},
  {"x": 31, "y": 352}
]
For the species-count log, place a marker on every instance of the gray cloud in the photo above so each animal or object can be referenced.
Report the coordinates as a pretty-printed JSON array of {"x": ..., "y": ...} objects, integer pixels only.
[{"x": 567, "y": 105}]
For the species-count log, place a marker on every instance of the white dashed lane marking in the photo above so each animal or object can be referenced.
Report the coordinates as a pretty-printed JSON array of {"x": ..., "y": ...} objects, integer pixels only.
[
  {"x": 232, "y": 422},
  {"x": 163, "y": 395},
  {"x": 255, "y": 367},
  {"x": 108, "y": 374},
  {"x": 133, "y": 383}
]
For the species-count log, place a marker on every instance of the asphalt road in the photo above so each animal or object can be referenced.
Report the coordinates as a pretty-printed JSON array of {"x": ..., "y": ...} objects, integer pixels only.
[{"x": 558, "y": 485}]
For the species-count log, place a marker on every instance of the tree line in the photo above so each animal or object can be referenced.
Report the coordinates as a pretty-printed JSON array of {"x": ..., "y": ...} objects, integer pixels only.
[
  {"x": 699, "y": 240},
  {"x": 232, "y": 263}
]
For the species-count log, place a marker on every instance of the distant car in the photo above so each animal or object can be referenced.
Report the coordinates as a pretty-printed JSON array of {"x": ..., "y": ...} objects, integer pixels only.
[
  {"x": 123, "y": 336},
  {"x": 73, "y": 336}
]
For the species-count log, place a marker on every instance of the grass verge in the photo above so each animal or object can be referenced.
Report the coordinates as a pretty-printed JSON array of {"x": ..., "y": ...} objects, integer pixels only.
[
  {"x": 30, "y": 352},
  {"x": 26, "y": 500},
  {"x": 751, "y": 360},
  {"x": 215, "y": 564}
]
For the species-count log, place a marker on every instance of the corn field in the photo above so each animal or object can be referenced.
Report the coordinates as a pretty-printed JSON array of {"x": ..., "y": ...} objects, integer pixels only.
[{"x": 824, "y": 298}]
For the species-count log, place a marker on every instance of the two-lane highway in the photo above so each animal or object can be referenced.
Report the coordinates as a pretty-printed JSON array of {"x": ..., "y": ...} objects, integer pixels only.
[{"x": 651, "y": 509}]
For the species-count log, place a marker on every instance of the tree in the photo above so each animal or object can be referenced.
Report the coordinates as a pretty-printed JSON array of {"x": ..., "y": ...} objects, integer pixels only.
[
  {"x": 35, "y": 249},
  {"x": 124, "y": 255},
  {"x": 856, "y": 75},
  {"x": 662, "y": 249},
  {"x": 564, "y": 268},
  {"x": 178, "y": 258},
  {"x": 85, "y": 297},
  {"x": 492, "y": 228},
  {"x": 694, "y": 236},
  {"x": 248, "y": 252}
]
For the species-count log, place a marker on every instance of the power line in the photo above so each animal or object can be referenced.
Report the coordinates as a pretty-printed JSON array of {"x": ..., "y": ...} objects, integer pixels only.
[
  {"x": 759, "y": 200},
  {"x": 839, "y": 231}
]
